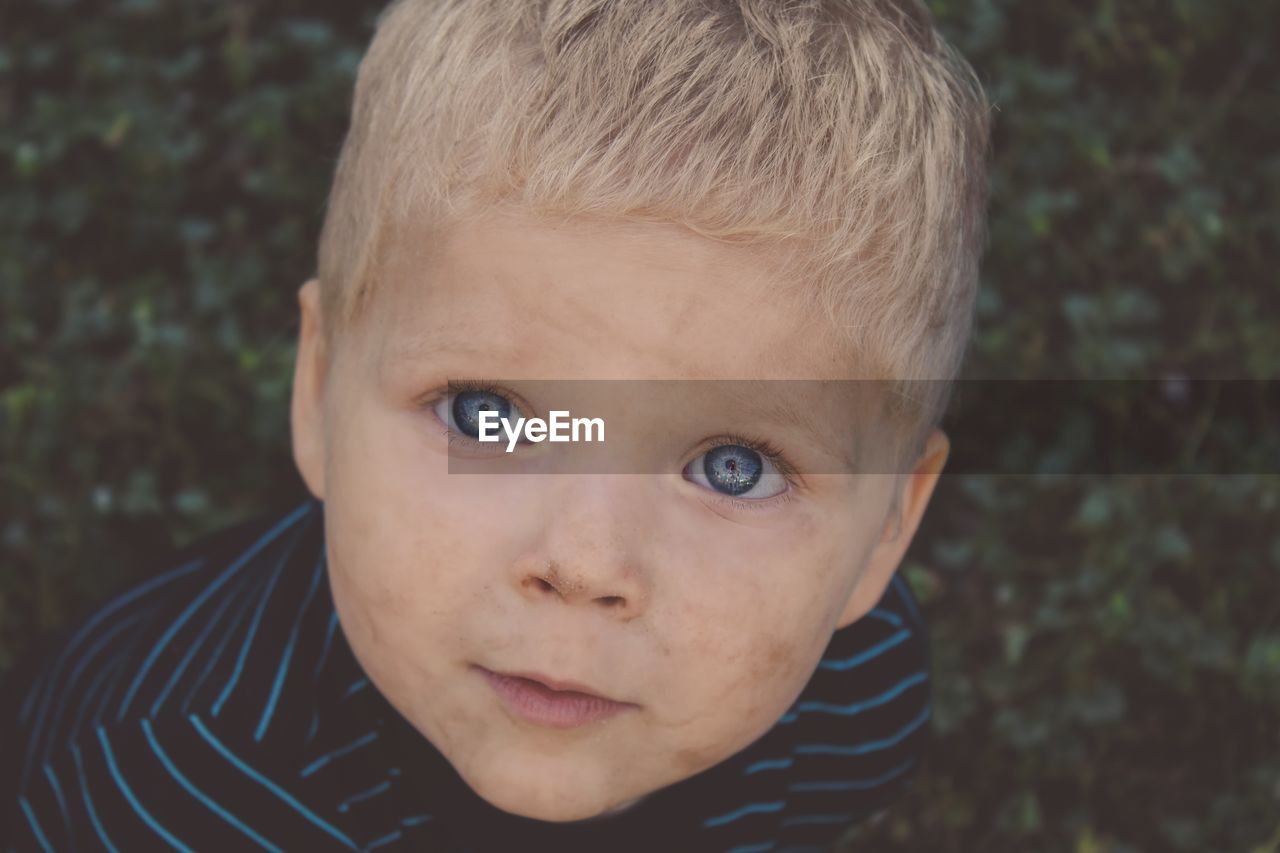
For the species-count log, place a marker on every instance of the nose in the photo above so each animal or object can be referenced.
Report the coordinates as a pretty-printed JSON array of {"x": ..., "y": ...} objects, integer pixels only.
[
  {"x": 591, "y": 550},
  {"x": 571, "y": 587}
]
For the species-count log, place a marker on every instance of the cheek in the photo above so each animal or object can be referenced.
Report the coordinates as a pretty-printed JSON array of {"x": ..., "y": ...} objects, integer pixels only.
[
  {"x": 399, "y": 568},
  {"x": 755, "y": 626},
  {"x": 402, "y": 518},
  {"x": 742, "y": 695},
  {"x": 753, "y": 639},
  {"x": 388, "y": 552},
  {"x": 415, "y": 546}
]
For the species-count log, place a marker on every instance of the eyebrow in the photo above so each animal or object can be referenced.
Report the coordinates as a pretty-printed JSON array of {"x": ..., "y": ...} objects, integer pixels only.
[
  {"x": 420, "y": 349},
  {"x": 787, "y": 414}
]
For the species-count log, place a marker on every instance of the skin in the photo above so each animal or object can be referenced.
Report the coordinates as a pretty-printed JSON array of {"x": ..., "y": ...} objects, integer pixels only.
[{"x": 655, "y": 590}]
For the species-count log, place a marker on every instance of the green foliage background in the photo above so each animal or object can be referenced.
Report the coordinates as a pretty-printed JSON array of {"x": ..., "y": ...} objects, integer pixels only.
[{"x": 1107, "y": 649}]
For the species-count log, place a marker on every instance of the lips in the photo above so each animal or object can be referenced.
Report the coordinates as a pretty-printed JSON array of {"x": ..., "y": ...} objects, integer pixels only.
[
  {"x": 544, "y": 701},
  {"x": 556, "y": 684}
]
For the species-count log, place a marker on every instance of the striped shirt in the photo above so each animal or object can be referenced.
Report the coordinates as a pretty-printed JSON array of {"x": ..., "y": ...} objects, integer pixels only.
[{"x": 217, "y": 706}]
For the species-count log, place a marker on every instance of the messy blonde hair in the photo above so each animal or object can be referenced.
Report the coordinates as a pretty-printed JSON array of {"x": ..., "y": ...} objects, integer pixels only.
[{"x": 844, "y": 129}]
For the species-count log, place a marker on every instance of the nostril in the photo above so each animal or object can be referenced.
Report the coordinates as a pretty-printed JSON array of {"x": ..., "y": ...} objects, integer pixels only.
[
  {"x": 538, "y": 584},
  {"x": 612, "y": 600}
]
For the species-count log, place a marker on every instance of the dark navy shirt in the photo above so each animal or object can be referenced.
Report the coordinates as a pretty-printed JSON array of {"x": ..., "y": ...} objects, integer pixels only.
[{"x": 217, "y": 706}]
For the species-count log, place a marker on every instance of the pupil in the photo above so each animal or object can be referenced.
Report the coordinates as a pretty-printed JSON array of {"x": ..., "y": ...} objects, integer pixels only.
[{"x": 732, "y": 468}]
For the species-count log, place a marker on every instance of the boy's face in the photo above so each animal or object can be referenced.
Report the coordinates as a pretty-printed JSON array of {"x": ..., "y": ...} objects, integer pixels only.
[{"x": 707, "y": 617}]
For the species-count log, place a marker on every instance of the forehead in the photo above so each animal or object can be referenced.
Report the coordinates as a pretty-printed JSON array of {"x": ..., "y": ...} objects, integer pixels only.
[
  {"x": 509, "y": 297},
  {"x": 597, "y": 299}
]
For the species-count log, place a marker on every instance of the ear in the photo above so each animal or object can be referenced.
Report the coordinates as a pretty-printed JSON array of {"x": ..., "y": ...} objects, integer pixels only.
[
  {"x": 307, "y": 409},
  {"x": 899, "y": 529}
]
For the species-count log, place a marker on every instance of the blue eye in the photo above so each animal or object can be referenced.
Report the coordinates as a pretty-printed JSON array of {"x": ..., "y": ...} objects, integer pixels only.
[
  {"x": 463, "y": 408},
  {"x": 732, "y": 469},
  {"x": 737, "y": 471}
]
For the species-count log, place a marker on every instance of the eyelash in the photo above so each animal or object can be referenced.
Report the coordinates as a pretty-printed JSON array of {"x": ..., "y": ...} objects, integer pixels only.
[
  {"x": 762, "y": 446},
  {"x": 458, "y": 386}
]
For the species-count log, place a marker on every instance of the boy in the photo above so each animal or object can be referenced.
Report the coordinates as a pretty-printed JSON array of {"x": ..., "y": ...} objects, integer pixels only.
[{"x": 720, "y": 657}]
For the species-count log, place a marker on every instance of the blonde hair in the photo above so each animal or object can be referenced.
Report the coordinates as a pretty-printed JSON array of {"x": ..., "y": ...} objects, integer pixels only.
[{"x": 847, "y": 130}]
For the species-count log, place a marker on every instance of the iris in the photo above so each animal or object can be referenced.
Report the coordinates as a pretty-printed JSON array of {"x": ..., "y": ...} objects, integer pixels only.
[{"x": 732, "y": 468}]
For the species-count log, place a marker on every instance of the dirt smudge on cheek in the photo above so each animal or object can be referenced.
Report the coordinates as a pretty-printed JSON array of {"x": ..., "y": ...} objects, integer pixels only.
[
  {"x": 745, "y": 706},
  {"x": 776, "y": 656},
  {"x": 773, "y": 663},
  {"x": 691, "y": 760}
]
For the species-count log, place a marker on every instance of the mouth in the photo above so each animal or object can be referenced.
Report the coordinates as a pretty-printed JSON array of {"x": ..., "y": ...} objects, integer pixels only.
[{"x": 551, "y": 702}]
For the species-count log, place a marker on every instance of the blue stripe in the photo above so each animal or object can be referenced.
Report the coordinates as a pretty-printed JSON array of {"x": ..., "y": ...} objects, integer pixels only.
[
  {"x": 908, "y": 600},
  {"x": 35, "y": 825},
  {"x": 414, "y": 820},
  {"x": 216, "y": 655},
  {"x": 37, "y": 688},
  {"x": 328, "y": 640},
  {"x": 74, "y": 680},
  {"x": 869, "y": 746},
  {"x": 88, "y": 803},
  {"x": 267, "y": 783},
  {"x": 363, "y": 740},
  {"x": 288, "y": 654},
  {"x": 854, "y": 784},
  {"x": 133, "y": 801},
  {"x": 197, "y": 793},
  {"x": 87, "y": 701},
  {"x": 315, "y": 676},
  {"x": 57, "y": 793},
  {"x": 191, "y": 653},
  {"x": 754, "y": 848},
  {"x": 864, "y": 656},
  {"x": 770, "y": 764},
  {"x": 887, "y": 615},
  {"x": 235, "y": 566},
  {"x": 386, "y": 839},
  {"x": 345, "y": 805},
  {"x": 754, "y": 808},
  {"x": 857, "y": 707},
  {"x": 112, "y": 607},
  {"x": 99, "y": 617},
  {"x": 253, "y": 630},
  {"x": 356, "y": 688}
]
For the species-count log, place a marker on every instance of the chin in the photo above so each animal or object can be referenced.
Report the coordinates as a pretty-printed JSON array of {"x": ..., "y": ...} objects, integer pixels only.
[{"x": 526, "y": 798}]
